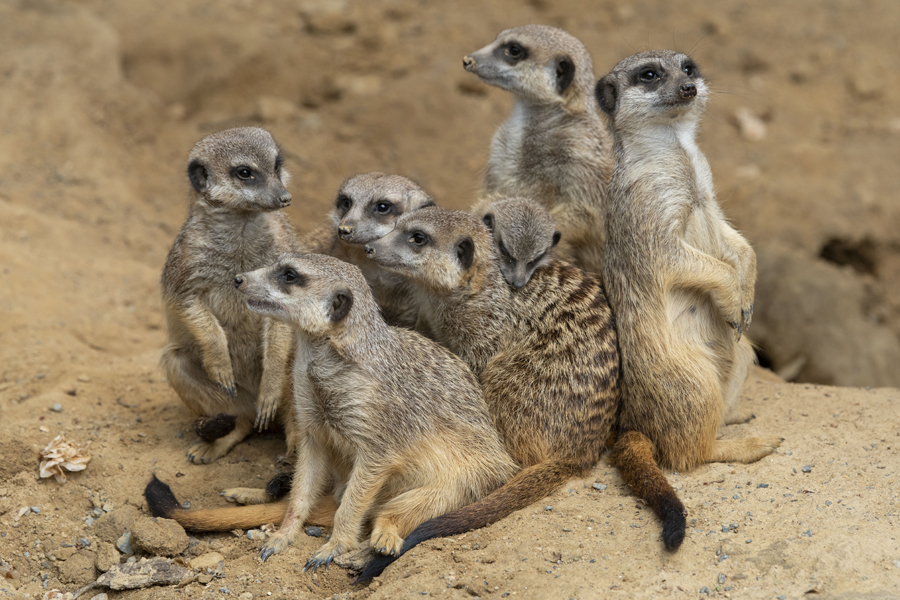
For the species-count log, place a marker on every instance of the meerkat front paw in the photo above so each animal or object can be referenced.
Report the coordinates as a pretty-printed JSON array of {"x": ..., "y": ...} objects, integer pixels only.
[
  {"x": 387, "y": 542},
  {"x": 245, "y": 495},
  {"x": 747, "y": 315},
  {"x": 738, "y": 329},
  {"x": 223, "y": 375},
  {"x": 326, "y": 554},
  {"x": 203, "y": 453},
  {"x": 265, "y": 412}
]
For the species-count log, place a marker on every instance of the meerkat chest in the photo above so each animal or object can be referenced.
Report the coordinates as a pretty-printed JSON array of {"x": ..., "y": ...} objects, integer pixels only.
[{"x": 341, "y": 392}]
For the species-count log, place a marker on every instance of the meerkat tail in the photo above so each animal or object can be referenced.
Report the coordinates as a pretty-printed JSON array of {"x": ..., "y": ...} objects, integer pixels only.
[
  {"x": 162, "y": 503},
  {"x": 527, "y": 487},
  {"x": 633, "y": 455}
]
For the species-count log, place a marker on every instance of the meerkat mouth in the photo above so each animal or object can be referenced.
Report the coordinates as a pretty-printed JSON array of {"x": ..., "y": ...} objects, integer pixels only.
[{"x": 260, "y": 305}]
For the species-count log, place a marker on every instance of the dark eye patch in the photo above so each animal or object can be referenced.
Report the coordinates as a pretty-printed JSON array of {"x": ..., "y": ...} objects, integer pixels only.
[{"x": 289, "y": 276}]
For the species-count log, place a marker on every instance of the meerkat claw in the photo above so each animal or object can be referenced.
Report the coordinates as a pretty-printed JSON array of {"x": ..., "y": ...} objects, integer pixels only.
[{"x": 266, "y": 553}]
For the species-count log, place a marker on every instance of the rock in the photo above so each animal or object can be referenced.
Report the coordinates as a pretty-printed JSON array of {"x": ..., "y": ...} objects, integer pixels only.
[
  {"x": 56, "y": 407},
  {"x": 313, "y": 531},
  {"x": 124, "y": 544},
  {"x": 109, "y": 527},
  {"x": 164, "y": 537},
  {"x": 79, "y": 569},
  {"x": 107, "y": 556},
  {"x": 155, "y": 571},
  {"x": 210, "y": 560},
  {"x": 246, "y": 596},
  {"x": 102, "y": 596}
]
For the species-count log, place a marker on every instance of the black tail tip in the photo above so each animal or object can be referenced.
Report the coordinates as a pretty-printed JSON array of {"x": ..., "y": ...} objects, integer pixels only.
[
  {"x": 160, "y": 499},
  {"x": 280, "y": 485},
  {"x": 375, "y": 568},
  {"x": 674, "y": 529},
  {"x": 212, "y": 428}
]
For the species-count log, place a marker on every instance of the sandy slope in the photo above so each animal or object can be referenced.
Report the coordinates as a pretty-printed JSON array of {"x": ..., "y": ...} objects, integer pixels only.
[{"x": 100, "y": 103}]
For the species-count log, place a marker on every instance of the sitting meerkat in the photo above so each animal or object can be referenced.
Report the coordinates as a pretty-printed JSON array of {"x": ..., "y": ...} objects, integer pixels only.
[
  {"x": 396, "y": 420},
  {"x": 545, "y": 355},
  {"x": 680, "y": 279},
  {"x": 222, "y": 359},
  {"x": 555, "y": 148},
  {"x": 524, "y": 235}
]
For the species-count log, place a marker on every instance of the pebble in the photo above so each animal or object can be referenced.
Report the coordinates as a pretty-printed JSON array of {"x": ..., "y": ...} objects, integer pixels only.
[
  {"x": 98, "y": 512},
  {"x": 56, "y": 407},
  {"x": 548, "y": 508},
  {"x": 762, "y": 485},
  {"x": 100, "y": 597},
  {"x": 748, "y": 541},
  {"x": 124, "y": 543},
  {"x": 808, "y": 533},
  {"x": 704, "y": 590},
  {"x": 721, "y": 578},
  {"x": 85, "y": 542},
  {"x": 256, "y": 534},
  {"x": 36, "y": 510},
  {"x": 807, "y": 468},
  {"x": 131, "y": 559},
  {"x": 723, "y": 557},
  {"x": 313, "y": 531},
  {"x": 186, "y": 504},
  {"x": 599, "y": 486},
  {"x": 246, "y": 596}
]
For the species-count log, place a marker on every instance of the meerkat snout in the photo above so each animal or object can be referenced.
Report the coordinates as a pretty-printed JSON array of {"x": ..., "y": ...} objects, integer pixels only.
[
  {"x": 238, "y": 281},
  {"x": 468, "y": 63},
  {"x": 687, "y": 90},
  {"x": 345, "y": 231},
  {"x": 369, "y": 250},
  {"x": 285, "y": 199}
]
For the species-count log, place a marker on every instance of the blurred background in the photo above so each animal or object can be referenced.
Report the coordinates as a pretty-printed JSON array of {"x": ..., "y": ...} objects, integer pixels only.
[{"x": 101, "y": 101}]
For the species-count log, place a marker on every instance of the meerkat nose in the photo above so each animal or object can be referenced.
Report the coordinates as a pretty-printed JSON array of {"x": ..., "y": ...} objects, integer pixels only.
[
  {"x": 345, "y": 230},
  {"x": 687, "y": 90},
  {"x": 468, "y": 61},
  {"x": 285, "y": 199},
  {"x": 238, "y": 281},
  {"x": 369, "y": 250}
]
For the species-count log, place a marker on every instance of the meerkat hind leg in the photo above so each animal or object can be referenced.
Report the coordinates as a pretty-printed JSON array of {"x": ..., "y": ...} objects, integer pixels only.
[
  {"x": 207, "y": 452},
  {"x": 743, "y": 450},
  {"x": 402, "y": 514}
]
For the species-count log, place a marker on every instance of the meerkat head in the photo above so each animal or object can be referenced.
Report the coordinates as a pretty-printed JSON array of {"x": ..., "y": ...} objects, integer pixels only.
[
  {"x": 240, "y": 169},
  {"x": 438, "y": 248},
  {"x": 318, "y": 294},
  {"x": 368, "y": 205},
  {"x": 653, "y": 87},
  {"x": 538, "y": 64},
  {"x": 524, "y": 236}
]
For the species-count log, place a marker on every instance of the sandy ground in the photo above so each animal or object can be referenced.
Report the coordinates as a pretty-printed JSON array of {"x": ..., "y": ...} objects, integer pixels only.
[{"x": 100, "y": 103}]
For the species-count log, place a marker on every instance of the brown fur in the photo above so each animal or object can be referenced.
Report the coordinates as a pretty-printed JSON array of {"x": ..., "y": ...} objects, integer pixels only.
[
  {"x": 679, "y": 278},
  {"x": 221, "y": 357},
  {"x": 545, "y": 354},
  {"x": 395, "y": 424},
  {"x": 555, "y": 148}
]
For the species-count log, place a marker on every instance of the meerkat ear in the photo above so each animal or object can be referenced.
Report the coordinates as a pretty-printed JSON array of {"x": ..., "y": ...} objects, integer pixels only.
[
  {"x": 420, "y": 199},
  {"x": 607, "y": 93},
  {"x": 465, "y": 252},
  {"x": 488, "y": 222},
  {"x": 556, "y": 236},
  {"x": 341, "y": 303},
  {"x": 198, "y": 175},
  {"x": 565, "y": 73}
]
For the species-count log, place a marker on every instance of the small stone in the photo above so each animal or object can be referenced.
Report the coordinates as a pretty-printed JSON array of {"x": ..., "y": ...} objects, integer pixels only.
[
  {"x": 102, "y": 596},
  {"x": 725, "y": 529},
  {"x": 256, "y": 534},
  {"x": 807, "y": 468},
  {"x": 748, "y": 541},
  {"x": 828, "y": 503},
  {"x": 721, "y": 578},
  {"x": 124, "y": 544},
  {"x": 781, "y": 597},
  {"x": 548, "y": 508},
  {"x": 85, "y": 542},
  {"x": 210, "y": 560},
  {"x": 84, "y": 378},
  {"x": 704, "y": 590},
  {"x": 56, "y": 407},
  {"x": 246, "y": 596},
  {"x": 599, "y": 486},
  {"x": 762, "y": 485},
  {"x": 163, "y": 537},
  {"x": 36, "y": 510},
  {"x": 808, "y": 533},
  {"x": 313, "y": 531},
  {"x": 186, "y": 505},
  {"x": 107, "y": 556}
]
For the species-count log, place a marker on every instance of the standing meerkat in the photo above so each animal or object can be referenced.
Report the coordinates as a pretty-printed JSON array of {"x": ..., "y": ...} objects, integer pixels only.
[
  {"x": 398, "y": 421},
  {"x": 555, "y": 148},
  {"x": 524, "y": 235},
  {"x": 679, "y": 278},
  {"x": 222, "y": 359},
  {"x": 545, "y": 355}
]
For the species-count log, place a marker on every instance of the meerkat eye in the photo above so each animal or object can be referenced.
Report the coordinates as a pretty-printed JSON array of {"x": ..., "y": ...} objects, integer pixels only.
[
  {"x": 418, "y": 238},
  {"x": 243, "y": 173},
  {"x": 515, "y": 51},
  {"x": 291, "y": 277},
  {"x": 344, "y": 202},
  {"x": 648, "y": 75},
  {"x": 688, "y": 70},
  {"x": 383, "y": 208},
  {"x": 504, "y": 252}
]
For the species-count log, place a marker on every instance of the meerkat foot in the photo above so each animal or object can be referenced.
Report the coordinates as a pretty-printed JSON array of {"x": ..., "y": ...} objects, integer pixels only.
[
  {"x": 386, "y": 539},
  {"x": 276, "y": 544},
  {"x": 735, "y": 416},
  {"x": 744, "y": 450},
  {"x": 747, "y": 316},
  {"x": 243, "y": 495},
  {"x": 265, "y": 413},
  {"x": 204, "y": 453},
  {"x": 326, "y": 554}
]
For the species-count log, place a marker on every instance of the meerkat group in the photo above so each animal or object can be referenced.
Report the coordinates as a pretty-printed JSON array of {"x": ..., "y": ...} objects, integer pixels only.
[{"x": 436, "y": 370}]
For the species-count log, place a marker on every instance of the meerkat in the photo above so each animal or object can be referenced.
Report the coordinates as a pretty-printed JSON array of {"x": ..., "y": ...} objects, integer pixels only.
[
  {"x": 680, "y": 279},
  {"x": 222, "y": 359},
  {"x": 545, "y": 355},
  {"x": 524, "y": 235},
  {"x": 397, "y": 422},
  {"x": 555, "y": 148}
]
